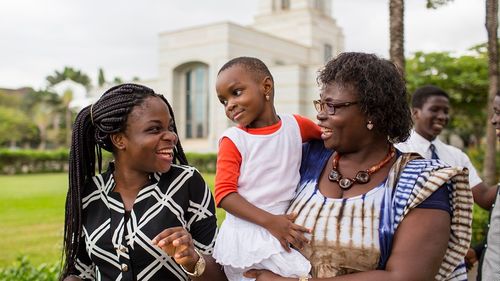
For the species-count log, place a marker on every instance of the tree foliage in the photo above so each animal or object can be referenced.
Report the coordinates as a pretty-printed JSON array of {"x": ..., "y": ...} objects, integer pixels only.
[
  {"x": 69, "y": 73},
  {"x": 434, "y": 4},
  {"x": 101, "y": 80},
  {"x": 15, "y": 126},
  {"x": 464, "y": 78}
]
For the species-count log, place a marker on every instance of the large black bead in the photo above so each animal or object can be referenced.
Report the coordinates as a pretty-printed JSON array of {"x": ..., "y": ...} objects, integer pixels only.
[
  {"x": 362, "y": 177},
  {"x": 334, "y": 176},
  {"x": 345, "y": 183}
]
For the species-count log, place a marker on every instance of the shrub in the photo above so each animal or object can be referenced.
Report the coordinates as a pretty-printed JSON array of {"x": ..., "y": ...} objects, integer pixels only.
[
  {"x": 31, "y": 161},
  {"x": 23, "y": 270},
  {"x": 204, "y": 162},
  {"x": 51, "y": 161}
]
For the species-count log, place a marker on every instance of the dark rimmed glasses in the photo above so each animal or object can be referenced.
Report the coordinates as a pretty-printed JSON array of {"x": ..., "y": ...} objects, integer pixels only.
[{"x": 331, "y": 107}]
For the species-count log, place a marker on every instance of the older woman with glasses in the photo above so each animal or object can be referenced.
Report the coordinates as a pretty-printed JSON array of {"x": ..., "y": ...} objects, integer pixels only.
[{"x": 376, "y": 213}]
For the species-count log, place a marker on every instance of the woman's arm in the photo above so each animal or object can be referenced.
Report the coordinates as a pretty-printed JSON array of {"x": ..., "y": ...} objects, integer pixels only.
[
  {"x": 419, "y": 246},
  {"x": 178, "y": 243}
]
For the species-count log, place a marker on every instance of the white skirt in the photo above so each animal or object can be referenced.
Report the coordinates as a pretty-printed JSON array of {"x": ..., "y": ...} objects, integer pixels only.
[{"x": 242, "y": 245}]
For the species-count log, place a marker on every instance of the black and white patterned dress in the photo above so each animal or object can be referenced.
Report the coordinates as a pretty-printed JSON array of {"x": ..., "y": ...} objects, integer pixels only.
[{"x": 116, "y": 245}]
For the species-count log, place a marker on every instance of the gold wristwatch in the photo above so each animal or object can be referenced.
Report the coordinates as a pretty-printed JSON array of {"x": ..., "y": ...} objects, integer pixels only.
[{"x": 199, "y": 267}]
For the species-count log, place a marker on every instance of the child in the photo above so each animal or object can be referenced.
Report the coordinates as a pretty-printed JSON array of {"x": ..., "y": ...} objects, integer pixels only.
[{"x": 257, "y": 174}]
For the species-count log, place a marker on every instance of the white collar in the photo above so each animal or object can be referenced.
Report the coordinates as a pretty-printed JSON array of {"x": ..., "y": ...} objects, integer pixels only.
[{"x": 421, "y": 141}]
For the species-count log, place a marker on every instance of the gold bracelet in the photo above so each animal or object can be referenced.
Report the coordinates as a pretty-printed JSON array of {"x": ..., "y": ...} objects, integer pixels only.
[{"x": 303, "y": 278}]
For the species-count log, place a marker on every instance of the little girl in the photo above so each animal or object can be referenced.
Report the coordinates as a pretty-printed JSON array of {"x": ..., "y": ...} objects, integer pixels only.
[{"x": 257, "y": 174}]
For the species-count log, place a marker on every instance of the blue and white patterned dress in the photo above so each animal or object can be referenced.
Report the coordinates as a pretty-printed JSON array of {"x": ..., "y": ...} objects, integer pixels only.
[{"x": 355, "y": 234}]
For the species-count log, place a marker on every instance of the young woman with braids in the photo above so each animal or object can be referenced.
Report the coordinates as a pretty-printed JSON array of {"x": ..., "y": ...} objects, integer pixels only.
[
  {"x": 376, "y": 213},
  {"x": 145, "y": 217}
]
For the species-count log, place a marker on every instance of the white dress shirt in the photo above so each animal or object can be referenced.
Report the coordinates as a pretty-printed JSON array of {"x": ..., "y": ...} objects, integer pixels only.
[{"x": 446, "y": 153}]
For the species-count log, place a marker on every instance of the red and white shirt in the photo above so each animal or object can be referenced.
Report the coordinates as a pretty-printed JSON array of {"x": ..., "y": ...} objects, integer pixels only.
[{"x": 262, "y": 164}]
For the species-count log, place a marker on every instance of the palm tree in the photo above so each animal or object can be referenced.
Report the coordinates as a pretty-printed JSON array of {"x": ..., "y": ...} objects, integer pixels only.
[
  {"x": 491, "y": 27},
  {"x": 69, "y": 73},
  {"x": 66, "y": 100},
  {"x": 397, "y": 34},
  {"x": 396, "y": 29},
  {"x": 42, "y": 117}
]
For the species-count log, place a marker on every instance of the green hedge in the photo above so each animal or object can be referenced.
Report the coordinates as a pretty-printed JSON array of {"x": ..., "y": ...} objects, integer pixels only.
[
  {"x": 204, "y": 162},
  {"x": 33, "y": 161},
  {"x": 49, "y": 161},
  {"x": 24, "y": 270}
]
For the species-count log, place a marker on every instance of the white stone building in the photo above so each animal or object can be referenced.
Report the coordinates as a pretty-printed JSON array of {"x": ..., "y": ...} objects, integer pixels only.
[{"x": 294, "y": 38}]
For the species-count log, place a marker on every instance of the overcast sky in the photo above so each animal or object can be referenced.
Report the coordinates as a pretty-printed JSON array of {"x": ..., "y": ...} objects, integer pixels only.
[{"x": 38, "y": 37}]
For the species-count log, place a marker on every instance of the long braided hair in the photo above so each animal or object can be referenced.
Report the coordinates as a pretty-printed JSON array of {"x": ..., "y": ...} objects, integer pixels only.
[{"x": 91, "y": 132}]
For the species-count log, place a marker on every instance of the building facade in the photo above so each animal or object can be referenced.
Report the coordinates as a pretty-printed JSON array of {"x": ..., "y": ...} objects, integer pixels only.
[{"x": 294, "y": 39}]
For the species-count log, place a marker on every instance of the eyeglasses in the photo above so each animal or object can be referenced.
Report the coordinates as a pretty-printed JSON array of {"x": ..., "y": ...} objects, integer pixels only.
[{"x": 331, "y": 107}]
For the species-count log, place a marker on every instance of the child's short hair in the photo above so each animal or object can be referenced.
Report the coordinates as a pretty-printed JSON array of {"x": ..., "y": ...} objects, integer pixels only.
[
  {"x": 421, "y": 95},
  {"x": 254, "y": 65}
]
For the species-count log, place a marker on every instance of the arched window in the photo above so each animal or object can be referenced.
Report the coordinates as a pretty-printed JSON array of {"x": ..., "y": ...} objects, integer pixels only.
[
  {"x": 195, "y": 80},
  {"x": 285, "y": 5},
  {"x": 327, "y": 52}
]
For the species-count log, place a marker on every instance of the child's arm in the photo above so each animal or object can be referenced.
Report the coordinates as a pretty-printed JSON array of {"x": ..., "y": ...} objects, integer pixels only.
[
  {"x": 280, "y": 226},
  {"x": 227, "y": 197},
  {"x": 308, "y": 129}
]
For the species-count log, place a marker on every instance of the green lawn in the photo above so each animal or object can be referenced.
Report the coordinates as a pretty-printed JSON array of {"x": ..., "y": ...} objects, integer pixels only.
[{"x": 32, "y": 216}]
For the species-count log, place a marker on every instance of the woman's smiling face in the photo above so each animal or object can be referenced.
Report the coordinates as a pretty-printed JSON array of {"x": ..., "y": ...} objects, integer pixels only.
[
  {"x": 345, "y": 130},
  {"x": 148, "y": 141}
]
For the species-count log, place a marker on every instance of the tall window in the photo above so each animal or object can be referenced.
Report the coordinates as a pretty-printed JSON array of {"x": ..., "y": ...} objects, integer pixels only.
[
  {"x": 285, "y": 4},
  {"x": 196, "y": 93},
  {"x": 327, "y": 52},
  {"x": 280, "y": 5},
  {"x": 319, "y": 5}
]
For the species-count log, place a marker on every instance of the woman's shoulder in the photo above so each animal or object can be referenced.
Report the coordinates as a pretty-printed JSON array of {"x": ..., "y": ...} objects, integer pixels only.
[
  {"x": 184, "y": 175},
  {"x": 182, "y": 171},
  {"x": 315, "y": 148}
]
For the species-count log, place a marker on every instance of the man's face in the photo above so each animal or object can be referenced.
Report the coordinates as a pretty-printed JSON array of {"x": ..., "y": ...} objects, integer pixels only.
[{"x": 431, "y": 119}]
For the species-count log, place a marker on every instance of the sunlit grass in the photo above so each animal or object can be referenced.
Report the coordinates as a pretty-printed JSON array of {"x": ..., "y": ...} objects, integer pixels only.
[{"x": 32, "y": 216}]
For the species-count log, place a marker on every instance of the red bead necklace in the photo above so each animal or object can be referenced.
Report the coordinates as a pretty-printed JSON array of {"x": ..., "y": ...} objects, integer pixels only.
[{"x": 361, "y": 177}]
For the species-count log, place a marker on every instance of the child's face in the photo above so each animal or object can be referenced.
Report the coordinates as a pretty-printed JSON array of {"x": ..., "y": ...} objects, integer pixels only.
[{"x": 243, "y": 97}]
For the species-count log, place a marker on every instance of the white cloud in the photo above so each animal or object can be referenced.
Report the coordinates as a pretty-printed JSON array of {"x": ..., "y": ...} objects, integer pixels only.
[{"x": 121, "y": 36}]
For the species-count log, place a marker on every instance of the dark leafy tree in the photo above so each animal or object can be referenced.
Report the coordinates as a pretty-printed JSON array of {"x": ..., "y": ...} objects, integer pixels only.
[{"x": 69, "y": 73}]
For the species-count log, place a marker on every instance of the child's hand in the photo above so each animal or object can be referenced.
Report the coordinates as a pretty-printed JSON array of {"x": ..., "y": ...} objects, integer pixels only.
[
  {"x": 178, "y": 244},
  {"x": 287, "y": 232}
]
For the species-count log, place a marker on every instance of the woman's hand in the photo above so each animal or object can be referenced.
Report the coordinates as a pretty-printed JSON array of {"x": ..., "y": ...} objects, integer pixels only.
[
  {"x": 287, "y": 232},
  {"x": 178, "y": 244}
]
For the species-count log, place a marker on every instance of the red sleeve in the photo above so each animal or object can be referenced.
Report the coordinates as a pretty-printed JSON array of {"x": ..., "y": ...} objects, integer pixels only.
[
  {"x": 228, "y": 170},
  {"x": 308, "y": 129}
]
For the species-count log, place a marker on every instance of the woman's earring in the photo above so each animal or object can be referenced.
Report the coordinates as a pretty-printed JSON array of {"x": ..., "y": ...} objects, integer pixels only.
[
  {"x": 369, "y": 126},
  {"x": 267, "y": 97}
]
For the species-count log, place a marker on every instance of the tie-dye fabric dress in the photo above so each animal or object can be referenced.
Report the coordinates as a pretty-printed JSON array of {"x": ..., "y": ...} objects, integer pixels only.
[{"x": 355, "y": 234}]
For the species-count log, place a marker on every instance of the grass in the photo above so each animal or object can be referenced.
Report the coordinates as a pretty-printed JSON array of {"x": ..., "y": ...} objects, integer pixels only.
[{"x": 32, "y": 216}]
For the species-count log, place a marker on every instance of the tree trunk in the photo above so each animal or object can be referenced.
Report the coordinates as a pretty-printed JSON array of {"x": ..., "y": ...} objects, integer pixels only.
[
  {"x": 397, "y": 35},
  {"x": 68, "y": 126},
  {"x": 490, "y": 151}
]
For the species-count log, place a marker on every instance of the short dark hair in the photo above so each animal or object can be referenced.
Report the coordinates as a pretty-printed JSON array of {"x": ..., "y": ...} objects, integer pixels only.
[
  {"x": 421, "y": 95},
  {"x": 380, "y": 87},
  {"x": 251, "y": 64}
]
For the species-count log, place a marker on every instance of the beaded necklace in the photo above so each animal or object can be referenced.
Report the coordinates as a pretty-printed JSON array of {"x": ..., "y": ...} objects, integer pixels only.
[{"x": 361, "y": 177}]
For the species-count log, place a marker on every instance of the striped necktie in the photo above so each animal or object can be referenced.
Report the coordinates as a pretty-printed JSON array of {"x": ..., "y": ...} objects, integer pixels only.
[{"x": 433, "y": 150}]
